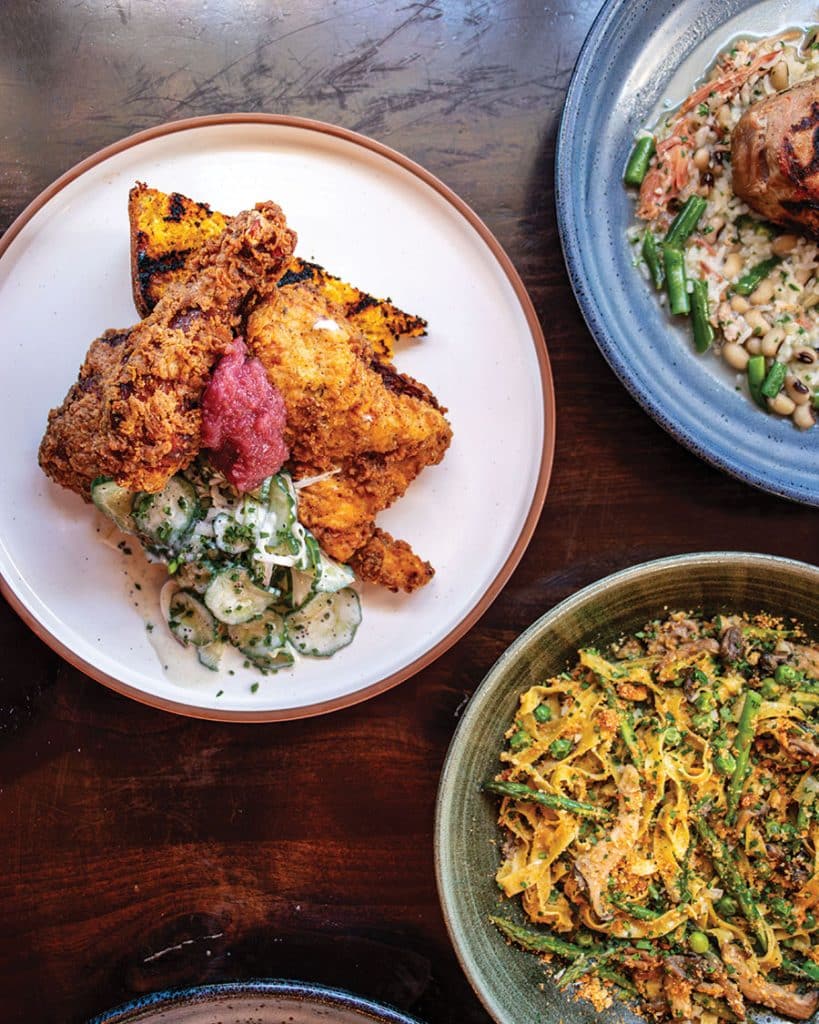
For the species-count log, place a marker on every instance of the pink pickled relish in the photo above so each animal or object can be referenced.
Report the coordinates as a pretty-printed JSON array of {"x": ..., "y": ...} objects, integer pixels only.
[{"x": 243, "y": 420}]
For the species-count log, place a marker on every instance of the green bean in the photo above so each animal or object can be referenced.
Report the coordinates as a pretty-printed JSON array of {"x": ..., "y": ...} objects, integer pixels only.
[
  {"x": 756, "y": 275},
  {"x": 703, "y": 331},
  {"x": 558, "y": 802},
  {"x": 756, "y": 376},
  {"x": 685, "y": 221},
  {"x": 732, "y": 879},
  {"x": 638, "y": 162},
  {"x": 772, "y": 384},
  {"x": 742, "y": 746},
  {"x": 676, "y": 282},
  {"x": 652, "y": 259}
]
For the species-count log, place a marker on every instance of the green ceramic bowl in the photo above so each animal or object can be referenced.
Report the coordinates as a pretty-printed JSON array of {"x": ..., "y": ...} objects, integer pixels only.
[{"x": 513, "y": 985}]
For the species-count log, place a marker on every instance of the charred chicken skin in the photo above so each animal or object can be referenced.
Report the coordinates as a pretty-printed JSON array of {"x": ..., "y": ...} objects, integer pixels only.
[
  {"x": 134, "y": 413},
  {"x": 775, "y": 157}
]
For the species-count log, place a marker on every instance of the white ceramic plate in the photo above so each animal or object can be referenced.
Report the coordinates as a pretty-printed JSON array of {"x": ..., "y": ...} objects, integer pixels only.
[{"x": 370, "y": 216}]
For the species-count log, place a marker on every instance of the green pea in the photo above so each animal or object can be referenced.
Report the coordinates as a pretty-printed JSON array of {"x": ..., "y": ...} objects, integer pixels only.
[
  {"x": 727, "y": 906},
  {"x": 725, "y": 762},
  {"x": 769, "y": 688},
  {"x": 672, "y": 736},
  {"x": 519, "y": 740},
  {"x": 810, "y": 921},
  {"x": 787, "y": 675},
  {"x": 584, "y": 939},
  {"x": 704, "y": 723},
  {"x": 560, "y": 749},
  {"x": 706, "y": 701},
  {"x": 543, "y": 713},
  {"x": 698, "y": 942}
]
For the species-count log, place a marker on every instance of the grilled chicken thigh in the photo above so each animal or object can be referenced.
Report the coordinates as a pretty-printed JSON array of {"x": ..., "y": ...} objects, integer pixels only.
[{"x": 775, "y": 157}]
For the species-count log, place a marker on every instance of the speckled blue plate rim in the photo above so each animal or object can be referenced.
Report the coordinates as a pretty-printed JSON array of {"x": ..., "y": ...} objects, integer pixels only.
[
  {"x": 689, "y": 431},
  {"x": 260, "y": 987}
]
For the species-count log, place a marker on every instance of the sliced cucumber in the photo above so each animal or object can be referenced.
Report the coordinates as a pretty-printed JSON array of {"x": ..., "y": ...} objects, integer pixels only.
[
  {"x": 231, "y": 537},
  {"x": 325, "y": 624},
  {"x": 165, "y": 518},
  {"x": 262, "y": 640},
  {"x": 302, "y": 588},
  {"x": 234, "y": 598},
  {"x": 195, "y": 575},
  {"x": 211, "y": 654},
  {"x": 281, "y": 500},
  {"x": 190, "y": 621},
  {"x": 115, "y": 501},
  {"x": 328, "y": 574}
]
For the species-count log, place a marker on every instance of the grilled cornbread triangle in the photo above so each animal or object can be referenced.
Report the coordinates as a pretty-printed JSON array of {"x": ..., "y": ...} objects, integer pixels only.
[{"x": 166, "y": 228}]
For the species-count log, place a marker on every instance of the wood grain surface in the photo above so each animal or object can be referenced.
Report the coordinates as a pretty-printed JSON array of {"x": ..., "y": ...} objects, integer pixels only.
[{"x": 141, "y": 850}]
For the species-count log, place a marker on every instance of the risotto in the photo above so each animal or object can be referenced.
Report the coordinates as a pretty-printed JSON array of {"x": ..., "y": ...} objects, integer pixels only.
[{"x": 750, "y": 287}]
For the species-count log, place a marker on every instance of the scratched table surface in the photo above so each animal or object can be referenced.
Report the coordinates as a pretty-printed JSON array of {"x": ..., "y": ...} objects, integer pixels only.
[{"x": 139, "y": 850}]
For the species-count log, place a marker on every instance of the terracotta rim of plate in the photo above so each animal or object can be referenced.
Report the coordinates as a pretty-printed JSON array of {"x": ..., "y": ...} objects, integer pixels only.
[{"x": 539, "y": 497}]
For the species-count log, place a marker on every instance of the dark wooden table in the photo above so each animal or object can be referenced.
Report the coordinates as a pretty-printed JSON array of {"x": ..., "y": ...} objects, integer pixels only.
[{"x": 141, "y": 850}]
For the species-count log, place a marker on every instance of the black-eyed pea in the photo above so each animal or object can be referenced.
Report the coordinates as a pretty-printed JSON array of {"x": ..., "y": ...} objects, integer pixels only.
[
  {"x": 702, "y": 158},
  {"x": 740, "y": 304},
  {"x": 804, "y": 417},
  {"x": 724, "y": 116},
  {"x": 758, "y": 322},
  {"x": 771, "y": 342},
  {"x": 783, "y": 244},
  {"x": 735, "y": 355},
  {"x": 806, "y": 356},
  {"x": 781, "y": 405},
  {"x": 763, "y": 293},
  {"x": 798, "y": 392},
  {"x": 780, "y": 76},
  {"x": 733, "y": 265},
  {"x": 753, "y": 345}
]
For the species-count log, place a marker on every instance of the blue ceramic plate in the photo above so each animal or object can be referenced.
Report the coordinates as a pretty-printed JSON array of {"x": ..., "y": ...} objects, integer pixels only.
[
  {"x": 640, "y": 53},
  {"x": 254, "y": 1002}
]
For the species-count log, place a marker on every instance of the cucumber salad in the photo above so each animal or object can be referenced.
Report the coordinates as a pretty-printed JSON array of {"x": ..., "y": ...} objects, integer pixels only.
[{"x": 244, "y": 572}]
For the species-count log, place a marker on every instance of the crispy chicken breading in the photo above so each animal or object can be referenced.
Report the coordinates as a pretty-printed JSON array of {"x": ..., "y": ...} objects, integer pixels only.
[
  {"x": 134, "y": 413},
  {"x": 372, "y": 427}
]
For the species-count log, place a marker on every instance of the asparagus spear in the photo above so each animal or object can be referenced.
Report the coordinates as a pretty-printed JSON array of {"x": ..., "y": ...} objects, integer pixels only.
[
  {"x": 732, "y": 879},
  {"x": 627, "y": 732},
  {"x": 558, "y": 802},
  {"x": 544, "y": 942},
  {"x": 806, "y": 969},
  {"x": 742, "y": 746},
  {"x": 634, "y": 909}
]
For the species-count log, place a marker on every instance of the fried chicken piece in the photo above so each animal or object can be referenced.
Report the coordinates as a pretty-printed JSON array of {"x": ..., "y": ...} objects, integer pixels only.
[
  {"x": 134, "y": 413},
  {"x": 373, "y": 427}
]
